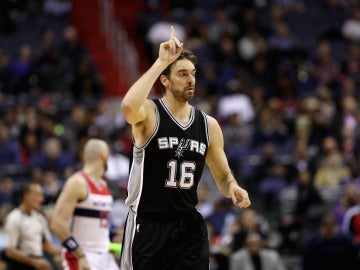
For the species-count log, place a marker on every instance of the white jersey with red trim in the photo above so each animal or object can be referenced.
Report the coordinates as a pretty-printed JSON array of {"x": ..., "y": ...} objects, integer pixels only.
[{"x": 90, "y": 223}]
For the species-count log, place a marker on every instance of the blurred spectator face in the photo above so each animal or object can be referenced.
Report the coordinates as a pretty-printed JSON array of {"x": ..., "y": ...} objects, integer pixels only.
[
  {"x": 324, "y": 49},
  {"x": 25, "y": 53},
  {"x": 269, "y": 150},
  {"x": 31, "y": 141},
  {"x": 49, "y": 177},
  {"x": 4, "y": 59},
  {"x": 249, "y": 219},
  {"x": 48, "y": 38},
  {"x": 6, "y": 185},
  {"x": 329, "y": 227},
  {"x": 351, "y": 194},
  {"x": 4, "y": 133},
  {"x": 304, "y": 178},
  {"x": 31, "y": 118},
  {"x": 334, "y": 160},
  {"x": 349, "y": 105},
  {"x": 52, "y": 148},
  {"x": 329, "y": 145},
  {"x": 253, "y": 243},
  {"x": 70, "y": 34},
  {"x": 79, "y": 114}
]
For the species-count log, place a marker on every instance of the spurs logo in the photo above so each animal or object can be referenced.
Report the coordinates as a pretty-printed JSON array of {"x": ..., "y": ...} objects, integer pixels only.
[{"x": 182, "y": 146}]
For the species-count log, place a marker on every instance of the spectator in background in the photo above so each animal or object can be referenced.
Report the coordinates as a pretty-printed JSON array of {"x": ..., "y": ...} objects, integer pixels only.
[
  {"x": 9, "y": 148},
  {"x": 21, "y": 68},
  {"x": 5, "y": 72},
  {"x": 6, "y": 196},
  {"x": 158, "y": 32},
  {"x": 237, "y": 137},
  {"x": 205, "y": 204},
  {"x": 330, "y": 249},
  {"x": 307, "y": 207},
  {"x": 53, "y": 157},
  {"x": 332, "y": 173},
  {"x": 350, "y": 197},
  {"x": 235, "y": 102},
  {"x": 118, "y": 164},
  {"x": 52, "y": 186},
  {"x": 270, "y": 128},
  {"x": 247, "y": 221},
  {"x": 57, "y": 8},
  {"x": 325, "y": 69},
  {"x": 221, "y": 25},
  {"x": 351, "y": 26},
  {"x": 255, "y": 256}
]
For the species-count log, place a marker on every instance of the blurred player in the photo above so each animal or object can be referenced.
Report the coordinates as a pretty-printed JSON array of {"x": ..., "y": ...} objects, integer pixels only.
[{"x": 82, "y": 211}]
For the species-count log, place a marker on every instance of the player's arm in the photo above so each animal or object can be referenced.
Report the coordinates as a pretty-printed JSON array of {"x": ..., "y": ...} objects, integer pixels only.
[
  {"x": 74, "y": 190},
  {"x": 219, "y": 167},
  {"x": 133, "y": 102}
]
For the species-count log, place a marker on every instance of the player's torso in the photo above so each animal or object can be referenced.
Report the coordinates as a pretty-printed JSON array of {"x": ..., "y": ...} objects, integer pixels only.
[
  {"x": 172, "y": 162},
  {"x": 90, "y": 224}
]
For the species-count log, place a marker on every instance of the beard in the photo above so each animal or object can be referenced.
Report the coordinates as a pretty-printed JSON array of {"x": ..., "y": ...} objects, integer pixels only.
[{"x": 183, "y": 95}]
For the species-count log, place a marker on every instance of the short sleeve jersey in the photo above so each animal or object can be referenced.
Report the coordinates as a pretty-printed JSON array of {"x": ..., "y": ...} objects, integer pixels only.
[{"x": 27, "y": 231}]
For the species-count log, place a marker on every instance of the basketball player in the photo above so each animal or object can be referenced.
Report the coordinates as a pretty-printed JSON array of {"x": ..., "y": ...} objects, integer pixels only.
[
  {"x": 172, "y": 141},
  {"x": 86, "y": 202}
]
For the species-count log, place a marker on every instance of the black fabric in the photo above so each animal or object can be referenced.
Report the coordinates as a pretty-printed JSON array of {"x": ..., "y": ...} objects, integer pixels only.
[
  {"x": 178, "y": 153},
  {"x": 171, "y": 244}
]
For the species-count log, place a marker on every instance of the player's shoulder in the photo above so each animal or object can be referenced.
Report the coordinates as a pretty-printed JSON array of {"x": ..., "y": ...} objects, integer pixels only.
[
  {"x": 149, "y": 104},
  {"x": 211, "y": 120},
  {"x": 14, "y": 215},
  {"x": 76, "y": 178}
]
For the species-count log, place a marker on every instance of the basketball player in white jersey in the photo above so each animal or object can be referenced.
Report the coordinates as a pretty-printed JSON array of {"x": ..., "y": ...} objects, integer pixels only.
[{"x": 82, "y": 211}]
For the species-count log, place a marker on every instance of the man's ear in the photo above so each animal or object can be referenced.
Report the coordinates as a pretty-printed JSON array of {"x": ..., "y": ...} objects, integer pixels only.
[{"x": 164, "y": 80}]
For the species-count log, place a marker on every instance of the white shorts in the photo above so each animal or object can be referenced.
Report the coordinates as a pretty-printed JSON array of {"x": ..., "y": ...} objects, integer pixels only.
[{"x": 97, "y": 261}]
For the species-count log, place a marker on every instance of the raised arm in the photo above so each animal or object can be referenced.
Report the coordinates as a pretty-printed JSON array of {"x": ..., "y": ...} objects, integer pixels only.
[
  {"x": 133, "y": 102},
  {"x": 74, "y": 190},
  {"x": 219, "y": 167}
]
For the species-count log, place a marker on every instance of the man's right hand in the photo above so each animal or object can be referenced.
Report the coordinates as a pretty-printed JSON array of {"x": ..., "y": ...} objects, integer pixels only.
[
  {"x": 170, "y": 50},
  {"x": 83, "y": 263}
]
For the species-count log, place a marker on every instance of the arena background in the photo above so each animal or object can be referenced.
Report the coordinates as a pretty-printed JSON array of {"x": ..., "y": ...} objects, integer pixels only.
[{"x": 282, "y": 77}]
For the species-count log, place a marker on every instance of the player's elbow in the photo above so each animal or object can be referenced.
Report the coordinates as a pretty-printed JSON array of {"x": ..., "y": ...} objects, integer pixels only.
[{"x": 127, "y": 107}]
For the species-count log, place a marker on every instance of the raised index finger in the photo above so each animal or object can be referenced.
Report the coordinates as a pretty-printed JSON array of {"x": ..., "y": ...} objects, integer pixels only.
[{"x": 172, "y": 32}]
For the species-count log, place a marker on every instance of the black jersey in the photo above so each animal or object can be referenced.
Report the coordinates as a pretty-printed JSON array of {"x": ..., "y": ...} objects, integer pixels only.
[{"x": 165, "y": 172}]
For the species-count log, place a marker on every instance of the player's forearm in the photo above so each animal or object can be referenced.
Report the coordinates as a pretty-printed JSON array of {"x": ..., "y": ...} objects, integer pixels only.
[
  {"x": 224, "y": 184},
  {"x": 63, "y": 233},
  {"x": 140, "y": 90},
  {"x": 19, "y": 256},
  {"x": 60, "y": 228}
]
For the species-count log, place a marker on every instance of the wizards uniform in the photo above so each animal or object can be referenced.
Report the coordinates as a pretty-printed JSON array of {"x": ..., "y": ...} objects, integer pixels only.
[
  {"x": 90, "y": 227},
  {"x": 163, "y": 180}
]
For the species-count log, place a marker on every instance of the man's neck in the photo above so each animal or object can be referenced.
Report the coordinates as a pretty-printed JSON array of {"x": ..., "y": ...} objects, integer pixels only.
[
  {"x": 25, "y": 209},
  {"x": 180, "y": 110},
  {"x": 93, "y": 173}
]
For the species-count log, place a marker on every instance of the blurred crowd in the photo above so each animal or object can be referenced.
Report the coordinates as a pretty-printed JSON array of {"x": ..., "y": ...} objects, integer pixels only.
[{"x": 283, "y": 79}]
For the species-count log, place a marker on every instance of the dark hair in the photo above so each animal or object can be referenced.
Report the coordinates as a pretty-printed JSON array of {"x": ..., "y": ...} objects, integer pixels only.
[
  {"x": 24, "y": 188},
  {"x": 185, "y": 54}
]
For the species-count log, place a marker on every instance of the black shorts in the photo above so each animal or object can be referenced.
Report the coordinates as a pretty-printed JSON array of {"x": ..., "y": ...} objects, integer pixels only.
[{"x": 171, "y": 242}]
